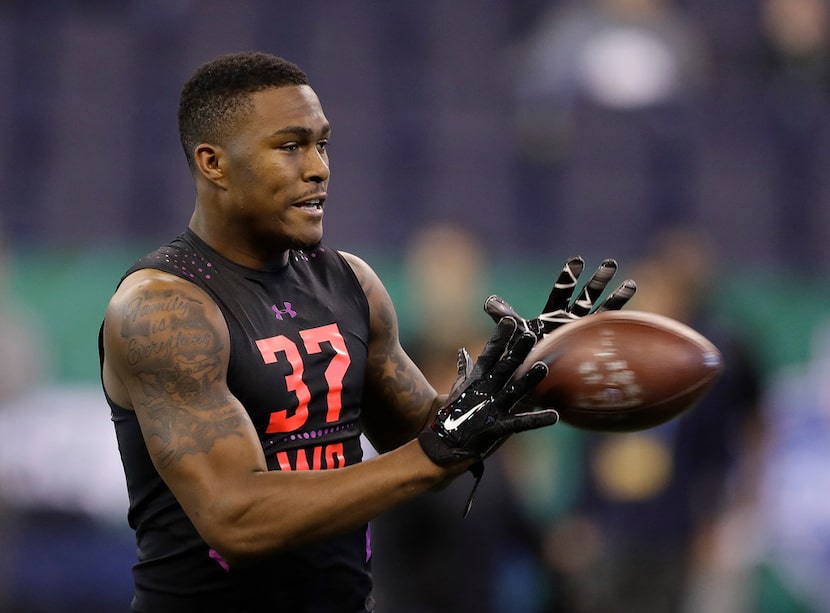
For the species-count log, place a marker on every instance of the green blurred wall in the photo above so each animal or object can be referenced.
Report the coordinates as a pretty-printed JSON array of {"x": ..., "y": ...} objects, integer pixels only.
[{"x": 68, "y": 291}]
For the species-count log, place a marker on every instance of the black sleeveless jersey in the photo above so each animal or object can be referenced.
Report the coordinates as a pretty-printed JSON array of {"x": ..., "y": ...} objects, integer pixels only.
[{"x": 299, "y": 339}]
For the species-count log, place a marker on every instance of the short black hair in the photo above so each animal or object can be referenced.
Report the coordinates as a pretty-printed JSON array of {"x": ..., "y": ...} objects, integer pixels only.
[{"x": 218, "y": 91}]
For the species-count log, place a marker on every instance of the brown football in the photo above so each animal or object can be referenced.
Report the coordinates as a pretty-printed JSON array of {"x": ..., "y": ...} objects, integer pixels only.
[{"x": 623, "y": 371}]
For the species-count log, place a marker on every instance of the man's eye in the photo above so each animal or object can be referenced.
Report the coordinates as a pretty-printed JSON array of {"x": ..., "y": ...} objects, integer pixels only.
[
  {"x": 289, "y": 147},
  {"x": 322, "y": 145}
]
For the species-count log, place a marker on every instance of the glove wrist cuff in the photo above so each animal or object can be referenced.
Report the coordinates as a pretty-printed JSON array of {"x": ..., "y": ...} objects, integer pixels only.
[{"x": 438, "y": 451}]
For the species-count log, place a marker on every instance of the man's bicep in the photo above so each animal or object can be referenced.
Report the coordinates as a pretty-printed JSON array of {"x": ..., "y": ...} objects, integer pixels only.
[
  {"x": 397, "y": 397},
  {"x": 167, "y": 347}
]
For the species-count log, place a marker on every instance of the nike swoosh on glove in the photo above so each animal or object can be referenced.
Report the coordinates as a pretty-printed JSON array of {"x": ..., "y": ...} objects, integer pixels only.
[{"x": 478, "y": 416}]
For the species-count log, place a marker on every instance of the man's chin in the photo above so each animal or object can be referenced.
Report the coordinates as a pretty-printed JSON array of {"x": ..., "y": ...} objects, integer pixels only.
[{"x": 306, "y": 245}]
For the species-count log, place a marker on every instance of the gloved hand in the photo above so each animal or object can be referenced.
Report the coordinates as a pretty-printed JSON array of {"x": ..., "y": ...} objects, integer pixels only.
[
  {"x": 561, "y": 308},
  {"x": 477, "y": 416}
]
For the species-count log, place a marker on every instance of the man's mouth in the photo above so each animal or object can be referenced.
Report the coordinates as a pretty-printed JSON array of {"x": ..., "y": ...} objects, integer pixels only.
[{"x": 315, "y": 204}]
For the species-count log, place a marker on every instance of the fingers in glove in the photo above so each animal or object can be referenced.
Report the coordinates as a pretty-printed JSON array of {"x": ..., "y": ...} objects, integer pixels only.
[
  {"x": 464, "y": 364},
  {"x": 563, "y": 289},
  {"x": 497, "y": 308},
  {"x": 519, "y": 387},
  {"x": 497, "y": 345},
  {"x": 594, "y": 288},
  {"x": 532, "y": 420},
  {"x": 619, "y": 297},
  {"x": 516, "y": 353}
]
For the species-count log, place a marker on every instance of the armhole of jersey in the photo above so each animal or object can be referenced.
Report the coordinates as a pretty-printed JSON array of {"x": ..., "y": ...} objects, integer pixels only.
[{"x": 365, "y": 298}]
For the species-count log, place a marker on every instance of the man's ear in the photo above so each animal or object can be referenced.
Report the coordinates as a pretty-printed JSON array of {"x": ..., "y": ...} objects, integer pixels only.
[{"x": 209, "y": 162}]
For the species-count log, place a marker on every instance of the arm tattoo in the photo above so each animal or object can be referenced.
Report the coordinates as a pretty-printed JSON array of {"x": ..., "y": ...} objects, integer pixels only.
[
  {"x": 176, "y": 354},
  {"x": 395, "y": 380}
]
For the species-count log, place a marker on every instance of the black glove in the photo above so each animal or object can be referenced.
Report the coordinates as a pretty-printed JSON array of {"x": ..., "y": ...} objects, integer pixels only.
[
  {"x": 561, "y": 308},
  {"x": 477, "y": 416}
]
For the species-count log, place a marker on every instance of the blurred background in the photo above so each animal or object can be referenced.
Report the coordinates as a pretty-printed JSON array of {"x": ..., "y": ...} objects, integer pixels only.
[{"x": 476, "y": 145}]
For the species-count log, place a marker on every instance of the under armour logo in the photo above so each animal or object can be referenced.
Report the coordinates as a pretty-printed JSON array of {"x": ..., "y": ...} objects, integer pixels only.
[{"x": 278, "y": 312}]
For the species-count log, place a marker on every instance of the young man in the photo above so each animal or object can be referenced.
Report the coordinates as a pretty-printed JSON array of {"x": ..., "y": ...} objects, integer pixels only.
[{"x": 243, "y": 360}]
